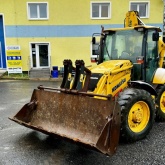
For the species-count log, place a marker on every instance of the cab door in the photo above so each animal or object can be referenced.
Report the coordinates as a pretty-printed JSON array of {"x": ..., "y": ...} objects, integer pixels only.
[{"x": 151, "y": 57}]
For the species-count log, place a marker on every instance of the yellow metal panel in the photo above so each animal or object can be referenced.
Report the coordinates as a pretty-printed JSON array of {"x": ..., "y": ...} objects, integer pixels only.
[{"x": 159, "y": 77}]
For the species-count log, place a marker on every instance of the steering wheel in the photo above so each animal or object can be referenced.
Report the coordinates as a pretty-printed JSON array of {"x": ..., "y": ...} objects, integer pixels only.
[{"x": 125, "y": 55}]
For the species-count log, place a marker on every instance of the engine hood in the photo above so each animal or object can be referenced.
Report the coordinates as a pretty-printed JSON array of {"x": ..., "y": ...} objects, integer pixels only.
[{"x": 112, "y": 66}]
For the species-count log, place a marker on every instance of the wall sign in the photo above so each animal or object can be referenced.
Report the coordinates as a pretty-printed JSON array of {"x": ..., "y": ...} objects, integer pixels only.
[{"x": 14, "y": 59}]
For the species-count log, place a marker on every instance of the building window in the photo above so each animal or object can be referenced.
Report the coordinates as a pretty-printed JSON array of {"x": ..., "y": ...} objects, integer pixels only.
[
  {"x": 37, "y": 10},
  {"x": 141, "y": 7},
  {"x": 100, "y": 10}
]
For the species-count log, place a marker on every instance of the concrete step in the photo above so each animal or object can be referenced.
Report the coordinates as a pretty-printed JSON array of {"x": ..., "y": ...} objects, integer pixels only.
[{"x": 40, "y": 73}]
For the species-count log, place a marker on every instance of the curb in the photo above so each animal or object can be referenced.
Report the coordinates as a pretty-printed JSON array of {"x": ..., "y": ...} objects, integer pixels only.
[
  {"x": 60, "y": 78},
  {"x": 46, "y": 79},
  {"x": 32, "y": 79}
]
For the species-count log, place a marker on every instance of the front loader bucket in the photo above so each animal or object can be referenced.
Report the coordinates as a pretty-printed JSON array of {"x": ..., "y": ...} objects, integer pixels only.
[{"x": 85, "y": 119}]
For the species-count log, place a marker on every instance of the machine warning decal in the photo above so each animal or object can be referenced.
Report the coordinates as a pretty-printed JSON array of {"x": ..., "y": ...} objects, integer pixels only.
[{"x": 119, "y": 84}]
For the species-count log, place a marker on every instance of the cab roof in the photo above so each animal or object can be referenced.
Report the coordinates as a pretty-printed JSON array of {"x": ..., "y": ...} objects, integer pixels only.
[{"x": 135, "y": 27}]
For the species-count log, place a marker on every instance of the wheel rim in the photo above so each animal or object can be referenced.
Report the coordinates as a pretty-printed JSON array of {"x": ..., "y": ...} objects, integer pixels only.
[
  {"x": 139, "y": 116},
  {"x": 162, "y": 102}
]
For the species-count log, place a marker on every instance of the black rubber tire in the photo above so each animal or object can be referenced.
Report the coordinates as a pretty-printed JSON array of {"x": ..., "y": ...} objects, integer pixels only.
[
  {"x": 160, "y": 115},
  {"x": 127, "y": 99}
]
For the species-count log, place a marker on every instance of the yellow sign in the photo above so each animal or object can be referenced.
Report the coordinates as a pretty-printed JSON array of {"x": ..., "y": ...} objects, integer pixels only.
[{"x": 14, "y": 61}]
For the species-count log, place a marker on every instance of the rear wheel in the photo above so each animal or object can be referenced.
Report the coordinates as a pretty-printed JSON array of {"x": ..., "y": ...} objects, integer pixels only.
[
  {"x": 137, "y": 114},
  {"x": 160, "y": 101}
]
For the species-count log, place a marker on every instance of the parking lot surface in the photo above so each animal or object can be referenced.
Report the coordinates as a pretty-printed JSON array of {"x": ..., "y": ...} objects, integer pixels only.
[{"x": 22, "y": 146}]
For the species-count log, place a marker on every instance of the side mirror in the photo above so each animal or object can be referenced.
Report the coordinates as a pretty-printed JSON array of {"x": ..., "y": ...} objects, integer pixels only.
[
  {"x": 155, "y": 36},
  {"x": 93, "y": 40}
]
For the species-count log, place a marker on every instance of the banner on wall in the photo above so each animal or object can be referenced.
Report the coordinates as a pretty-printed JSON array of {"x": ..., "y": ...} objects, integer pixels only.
[{"x": 14, "y": 59}]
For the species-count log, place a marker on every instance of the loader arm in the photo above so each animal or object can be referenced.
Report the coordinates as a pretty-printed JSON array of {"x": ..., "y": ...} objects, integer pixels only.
[
  {"x": 161, "y": 52},
  {"x": 132, "y": 19}
]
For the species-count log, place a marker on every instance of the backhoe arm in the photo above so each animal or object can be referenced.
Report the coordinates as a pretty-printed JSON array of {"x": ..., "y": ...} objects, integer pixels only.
[
  {"x": 132, "y": 19},
  {"x": 161, "y": 51}
]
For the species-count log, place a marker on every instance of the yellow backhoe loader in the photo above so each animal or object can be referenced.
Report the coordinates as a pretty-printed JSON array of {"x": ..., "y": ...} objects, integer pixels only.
[{"x": 119, "y": 97}]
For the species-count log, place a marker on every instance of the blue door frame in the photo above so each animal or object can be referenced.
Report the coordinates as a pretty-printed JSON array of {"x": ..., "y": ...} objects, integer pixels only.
[{"x": 2, "y": 45}]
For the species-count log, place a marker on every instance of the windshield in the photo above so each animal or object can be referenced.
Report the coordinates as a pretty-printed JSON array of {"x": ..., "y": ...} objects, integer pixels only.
[{"x": 122, "y": 45}]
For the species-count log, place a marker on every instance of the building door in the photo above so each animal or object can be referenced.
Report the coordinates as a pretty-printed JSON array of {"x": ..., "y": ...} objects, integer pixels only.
[
  {"x": 40, "y": 55},
  {"x": 2, "y": 45}
]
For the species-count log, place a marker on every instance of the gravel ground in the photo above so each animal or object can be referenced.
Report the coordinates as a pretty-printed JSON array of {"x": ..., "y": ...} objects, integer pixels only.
[{"x": 22, "y": 146}]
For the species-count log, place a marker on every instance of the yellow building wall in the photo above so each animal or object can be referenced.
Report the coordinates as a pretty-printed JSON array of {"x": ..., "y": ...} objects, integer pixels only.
[
  {"x": 67, "y": 12},
  {"x": 60, "y": 49},
  {"x": 71, "y": 48},
  {"x": 77, "y": 12}
]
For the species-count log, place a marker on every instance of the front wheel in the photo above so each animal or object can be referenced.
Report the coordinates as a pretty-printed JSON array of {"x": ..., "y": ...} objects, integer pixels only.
[{"x": 137, "y": 114}]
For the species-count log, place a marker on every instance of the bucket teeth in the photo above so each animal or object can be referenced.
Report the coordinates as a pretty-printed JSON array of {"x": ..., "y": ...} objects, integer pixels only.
[
  {"x": 81, "y": 77},
  {"x": 68, "y": 68}
]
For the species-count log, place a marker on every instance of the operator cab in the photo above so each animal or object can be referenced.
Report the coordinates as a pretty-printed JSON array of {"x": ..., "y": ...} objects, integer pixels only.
[{"x": 137, "y": 44}]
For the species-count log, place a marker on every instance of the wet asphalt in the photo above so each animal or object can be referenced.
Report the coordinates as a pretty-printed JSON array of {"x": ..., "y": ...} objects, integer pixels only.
[{"x": 22, "y": 146}]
